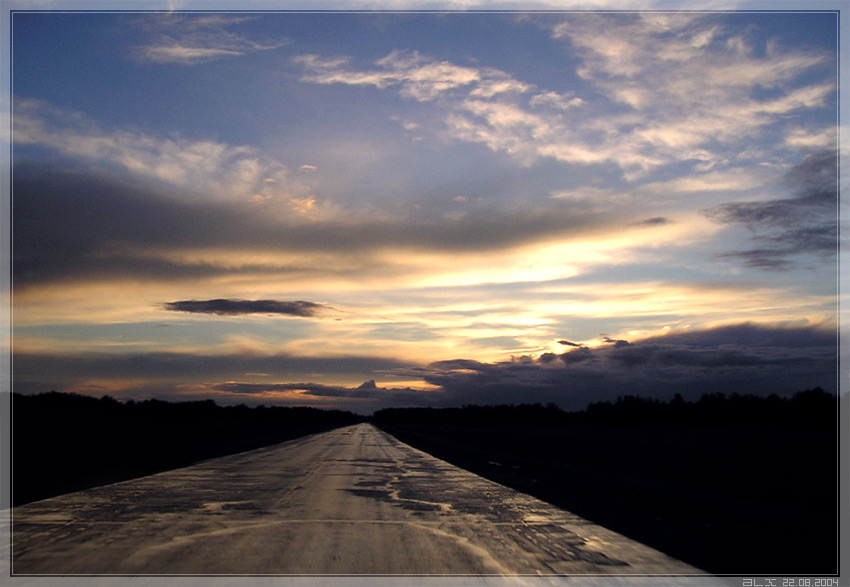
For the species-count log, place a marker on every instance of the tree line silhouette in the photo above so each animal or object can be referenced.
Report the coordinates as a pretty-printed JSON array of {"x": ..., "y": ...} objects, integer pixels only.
[
  {"x": 732, "y": 484},
  {"x": 63, "y": 442},
  {"x": 809, "y": 408}
]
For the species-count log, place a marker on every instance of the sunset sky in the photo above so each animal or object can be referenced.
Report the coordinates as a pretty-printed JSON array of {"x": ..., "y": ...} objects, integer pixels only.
[{"x": 362, "y": 210}]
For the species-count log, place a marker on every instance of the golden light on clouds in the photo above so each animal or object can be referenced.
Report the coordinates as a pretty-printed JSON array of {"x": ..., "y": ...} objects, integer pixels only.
[{"x": 419, "y": 207}]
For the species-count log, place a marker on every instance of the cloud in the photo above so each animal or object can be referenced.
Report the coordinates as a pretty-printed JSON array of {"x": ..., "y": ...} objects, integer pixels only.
[
  {"x": 82, "y": 226},
  {"x": 367, "y": 390},
  {"x": 689, "y": 82},
  {"x": 264, "y": 388},
  {"x": 418, "y": 77},
  {"x": 807, "y": 222},
  {"x": 806, "y": 138},
  {"x": 175, "y": 53},
  {"x": 654, "y": 221},
  {"x": 744, "y": 358},
  {"x": 365, "y": 398},
  {"x": 560, "y": 101},
  {"x": 480, "y": 103},
  {"x": 79, "y": 225},
  {"x": 200, "y": 168},
  {"x": 224, "y": 307},
  {"x": 174, "y": 376},
  {"x": 198, "y": 38},
  {"x": 654, "y": 89},
  {"x": 36, "y": 372},
  {"x": 662, "y": 47},
  {"x": 575, "y": 357},
  {"x": 729, "y": 180}
]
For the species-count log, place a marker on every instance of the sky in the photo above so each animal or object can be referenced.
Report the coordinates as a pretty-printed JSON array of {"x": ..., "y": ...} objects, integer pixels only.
[{"x": 360, "y": 210}]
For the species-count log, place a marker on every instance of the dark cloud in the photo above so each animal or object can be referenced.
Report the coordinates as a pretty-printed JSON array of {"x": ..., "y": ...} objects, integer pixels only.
[
  {"x": 568, "y": 343},
  {"x": 654, "y": 221},
  {"x": 616, "y": 343},
  {"x": 36, "y": 372},
  {"x": 749, "y": 335},
  {"x": 365, "y": 398},
  {"x": 578, "y": 356},
  {"x": 259, "y": 388},
  {"x": 786, "y": 227},
  {"x": 224, "y": 307},
  {"x": 683, "y": 356},
  {"x": 73, "y": 225},
  {"x": 767, "y": 259},
  {"x": 744, "y": 359},
  {"x": 316, "y": 389},
  {"x": 368, "y": 389}
]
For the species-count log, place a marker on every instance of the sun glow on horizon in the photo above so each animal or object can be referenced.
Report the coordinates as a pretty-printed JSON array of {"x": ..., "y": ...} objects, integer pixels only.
[{"x": 406, "y": 212}]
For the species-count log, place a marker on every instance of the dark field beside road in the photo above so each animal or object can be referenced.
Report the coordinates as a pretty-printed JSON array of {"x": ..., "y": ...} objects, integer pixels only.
[
  {"x": 68, "y": 442},
  {"x": 732, "y": 485}
]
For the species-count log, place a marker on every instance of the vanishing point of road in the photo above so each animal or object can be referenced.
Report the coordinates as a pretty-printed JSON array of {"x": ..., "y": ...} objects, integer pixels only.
[{"x": 352, "y": 501}]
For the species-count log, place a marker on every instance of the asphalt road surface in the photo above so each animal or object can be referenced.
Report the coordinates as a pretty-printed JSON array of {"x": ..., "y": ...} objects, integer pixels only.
[{"x": 353, "y": 501}]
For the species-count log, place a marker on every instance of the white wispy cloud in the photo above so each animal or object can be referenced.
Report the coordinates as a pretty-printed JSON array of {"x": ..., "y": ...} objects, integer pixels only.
[
  {"x": 675, "y": 87},
  {"x": 689, "y": 82},
  {"x": 560, "y": 101},
  {"x": 176, "y": 53},
  {"x": 190, "y": 39},
  {"x": 732, "y": 180},
  {"x": 482, "y": 105},
  {"x": 202, "y": 168},
  {"x": 811, "y": 139},
  {"x": 418, "y": 77}
]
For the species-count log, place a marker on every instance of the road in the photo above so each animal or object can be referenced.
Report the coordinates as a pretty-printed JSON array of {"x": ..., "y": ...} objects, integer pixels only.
[{"x": 353, "y": 501}]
